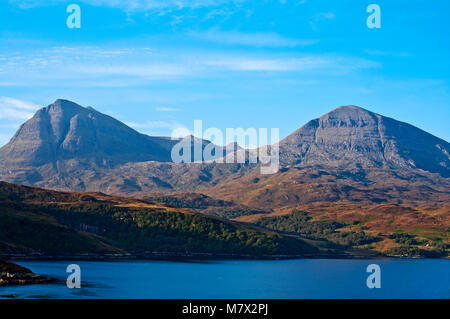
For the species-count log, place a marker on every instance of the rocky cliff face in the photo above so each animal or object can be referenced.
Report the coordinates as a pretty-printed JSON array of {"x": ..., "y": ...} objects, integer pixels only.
[
  {"x": 350, "y": 136},
  {"x": 347, "y": 154},
  {"x": 66, "y": 131},
  {"x": 353, "y": 155}
]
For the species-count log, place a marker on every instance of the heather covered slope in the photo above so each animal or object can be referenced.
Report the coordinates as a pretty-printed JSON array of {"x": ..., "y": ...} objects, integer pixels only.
[
  {"x": 391, "y": 229},
  {"x": 348, "y": 154},
  {"x": 302, "y": 185},
  {"x": 52, "y": 223},
  {"x": 206, "y": 204}
]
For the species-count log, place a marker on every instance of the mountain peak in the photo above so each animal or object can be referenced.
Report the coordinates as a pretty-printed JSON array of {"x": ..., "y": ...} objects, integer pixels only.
[
  {"x": 348, "y": 107},
  {"x": 351, "y": 136},
  {"x": 66, "y": 141},
  {"x": 63, "y": 101},
  {"x": 61, "y": 110},
  {"x": 64, "y": 104},
  {"x": 65, "y": 130},
  {"x": 348, "y": 111}
]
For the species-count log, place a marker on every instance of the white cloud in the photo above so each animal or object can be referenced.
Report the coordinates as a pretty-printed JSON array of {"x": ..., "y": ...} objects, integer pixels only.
[
  {"x": 387, "y": 53},
  {"x": 251, "y": 39},
  {"x": 134, "y": 5},
  {"x": 4, "y": 138},
  {"x": 110, "y": 67},
  {"x": 14, "y": 109},
  {"x": 293, "y": 64},
  {"x": 166, "y": 109},
  {"x": 321, "y": 17},
  {"x": 149, "y": 71},
  {"x": 328, "y": 15},
  {"x": 248, "y": 64},
  {"x": 170, "y": 8}
]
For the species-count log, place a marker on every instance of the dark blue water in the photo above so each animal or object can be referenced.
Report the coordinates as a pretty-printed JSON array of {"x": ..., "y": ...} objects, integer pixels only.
[{"x": 306, "y": 278}]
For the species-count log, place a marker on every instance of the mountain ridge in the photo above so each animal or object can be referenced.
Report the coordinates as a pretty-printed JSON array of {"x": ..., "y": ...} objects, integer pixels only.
[
  {"x": 364, "y": 155},
  {"x": 64, "y": 130}
]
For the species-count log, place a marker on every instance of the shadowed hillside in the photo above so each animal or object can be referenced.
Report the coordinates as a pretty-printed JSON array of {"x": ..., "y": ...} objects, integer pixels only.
[{"x": 46, "y": 222}]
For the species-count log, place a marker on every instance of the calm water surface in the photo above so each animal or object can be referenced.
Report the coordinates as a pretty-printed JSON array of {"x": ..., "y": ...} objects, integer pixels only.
[{"x": 305, "y": 278}]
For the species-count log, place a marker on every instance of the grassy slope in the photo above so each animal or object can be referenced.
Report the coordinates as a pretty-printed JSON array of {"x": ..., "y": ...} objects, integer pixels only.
[
  {"x": 387, "y": 228},
  {"x": 206, "y": 205},
  {"x": 68, "y": 223},
  {"x": 299, "y": 186}
]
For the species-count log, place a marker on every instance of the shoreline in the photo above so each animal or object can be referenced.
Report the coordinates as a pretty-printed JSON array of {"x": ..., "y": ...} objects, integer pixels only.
[
  {"x": 199, "y": 256},
  {"x": 12, "y": 274}
]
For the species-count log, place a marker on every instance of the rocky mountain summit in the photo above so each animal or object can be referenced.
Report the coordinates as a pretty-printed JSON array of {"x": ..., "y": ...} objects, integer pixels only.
[
  {"x": 350, "y": 178},
  {"x": 67, "y": 131},
  {"x": 349, "y": 153},
  {"x": 350, "y": 136}
]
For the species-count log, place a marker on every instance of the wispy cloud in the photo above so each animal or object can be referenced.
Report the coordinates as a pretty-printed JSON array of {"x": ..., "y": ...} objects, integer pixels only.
[
  {"x": 81, "y": 64},
  {"x": 251, "y": 39},
  {"x": 110, "y": 67},
  {"x": 152, "y": 71},
  {"x": 13, "y": 112},
  {"x": 166, "y": 109},
  {"x": 249, "y": 64},
  {"x": 321, "y": 17},
  {"x": 14, "y": 109},
  {"x": 387, "y": 53},
  {"x": 179, "y": 11},
  {"x": 308, "y": 63},
  {"x": 134, "y": 5},
  {"x": 4, "y": 138}
]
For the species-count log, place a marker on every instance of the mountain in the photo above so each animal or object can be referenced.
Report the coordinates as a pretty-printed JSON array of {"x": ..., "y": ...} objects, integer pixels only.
[
  {"x": 67, "y": 131},
  {"x": 348, "y": 154},
  {"x": 350, "y": 136},
  {"x": 350, "y": 179},
  {"x": 65, "y": 138}
]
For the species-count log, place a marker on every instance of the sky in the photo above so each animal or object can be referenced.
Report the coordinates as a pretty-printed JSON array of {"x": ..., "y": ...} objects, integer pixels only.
[{"x": 160, "y": 65}]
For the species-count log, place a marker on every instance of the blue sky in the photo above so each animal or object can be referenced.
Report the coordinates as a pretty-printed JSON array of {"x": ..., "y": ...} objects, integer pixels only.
[{"x": 159, "y": 65}]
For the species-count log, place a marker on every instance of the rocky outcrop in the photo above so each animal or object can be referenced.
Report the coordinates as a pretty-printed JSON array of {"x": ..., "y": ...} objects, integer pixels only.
[{"x": 13, "y": 274}]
